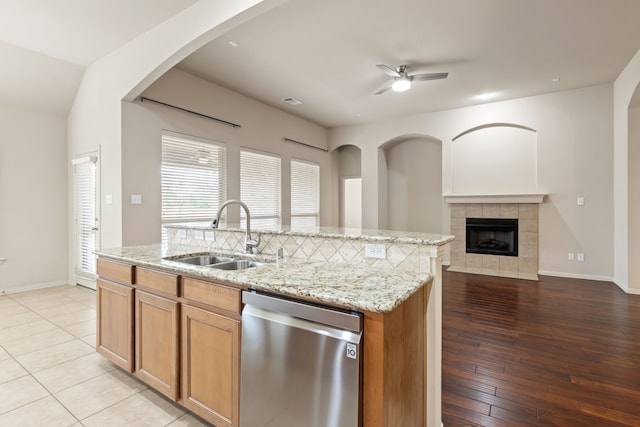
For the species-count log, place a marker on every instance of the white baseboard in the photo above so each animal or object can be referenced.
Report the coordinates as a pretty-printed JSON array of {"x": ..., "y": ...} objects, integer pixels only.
[
  {"x": 634, "y": 291},
  {"x": 576, "y": 275},
  {"x": 33, "y": 286}
]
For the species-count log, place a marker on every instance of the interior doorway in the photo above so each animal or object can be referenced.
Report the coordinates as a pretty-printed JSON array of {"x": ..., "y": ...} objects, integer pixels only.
[{"x": 352, "y": 202}]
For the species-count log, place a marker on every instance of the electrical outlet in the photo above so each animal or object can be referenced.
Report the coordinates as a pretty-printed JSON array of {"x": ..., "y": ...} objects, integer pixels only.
[
  {"x": 199, "y": 234},
  {"x": 570, "y": 256},
  {"x": 375, "y": 251},
  {"x": 209, "y": 236},
  {"x": 580, "y": 257},
  {"x": 182, "y": 234},
  {"x": 136, "y": 199},
  {"x": 580, "y": 201}
]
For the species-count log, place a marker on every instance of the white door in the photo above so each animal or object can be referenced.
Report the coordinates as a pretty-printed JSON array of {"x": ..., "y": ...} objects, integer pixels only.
[{"x": 85, "y": 180}]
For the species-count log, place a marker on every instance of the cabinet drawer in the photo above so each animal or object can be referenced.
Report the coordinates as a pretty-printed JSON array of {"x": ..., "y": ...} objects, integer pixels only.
[
  {"x": 157, "y": 280},
  {"x": 115, "y": 271},
  {"x": 218, "y": 296}
]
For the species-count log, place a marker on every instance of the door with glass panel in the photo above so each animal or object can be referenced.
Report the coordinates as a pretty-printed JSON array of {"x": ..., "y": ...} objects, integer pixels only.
[{"x": 87, "y": 223}]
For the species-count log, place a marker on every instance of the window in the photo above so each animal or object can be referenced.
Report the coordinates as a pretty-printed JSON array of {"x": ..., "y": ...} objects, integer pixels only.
[
  {"x": 193, "y": 179},
  {"x": 305, "y": 194},
  {"x": 260, "y": 188}
]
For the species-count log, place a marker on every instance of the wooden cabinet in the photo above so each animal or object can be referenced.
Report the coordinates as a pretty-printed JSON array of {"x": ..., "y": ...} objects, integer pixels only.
[
  {"x": 114, "y": 293},
  {"x": 156, "y": 339},
  {"x": 210, "y": 365},
  {"x": 114, "y": 338}
]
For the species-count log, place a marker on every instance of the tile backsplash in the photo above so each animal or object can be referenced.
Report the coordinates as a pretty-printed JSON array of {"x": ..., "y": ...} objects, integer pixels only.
[{"x": 402, "y": 256}]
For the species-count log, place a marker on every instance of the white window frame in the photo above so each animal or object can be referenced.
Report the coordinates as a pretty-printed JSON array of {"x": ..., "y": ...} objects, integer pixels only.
[
  {"x": 305, "y": 207},
  {"x": 192, "y": 168},
  {"x": 260, "y": 188}
]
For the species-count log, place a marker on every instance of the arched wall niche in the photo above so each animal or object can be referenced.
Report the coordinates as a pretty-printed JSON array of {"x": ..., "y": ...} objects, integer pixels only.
[
  {"x": 410, "y": 183},
  {"x": 633, "y": 159},
  {"x": 495, "y": 158}
]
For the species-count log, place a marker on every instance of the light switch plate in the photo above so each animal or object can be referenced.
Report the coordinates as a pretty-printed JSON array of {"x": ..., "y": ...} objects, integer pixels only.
[
  {"x": 136, "y": 199},
  {"x": 209, "y": 236},
  {"x": 199, "y": 234},
  {"x": 375, "y": 251},
  {"x": 182, "y": 234},
  {"x": 108, "y": 199}
]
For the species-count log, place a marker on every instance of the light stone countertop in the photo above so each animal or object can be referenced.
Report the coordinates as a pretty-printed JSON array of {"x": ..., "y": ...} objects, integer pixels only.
[
  {"x": 351, "y": 286},
  {"x": 375, "y": 236}
]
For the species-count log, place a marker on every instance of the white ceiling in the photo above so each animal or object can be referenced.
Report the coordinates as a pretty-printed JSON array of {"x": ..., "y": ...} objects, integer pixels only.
[
  {"x": 324, "y": 52},
  {"x": 45, "y": 45}
]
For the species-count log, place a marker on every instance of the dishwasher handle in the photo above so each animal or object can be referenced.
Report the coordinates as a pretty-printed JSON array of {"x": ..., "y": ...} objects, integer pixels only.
[{"x": 338, "y": 319}]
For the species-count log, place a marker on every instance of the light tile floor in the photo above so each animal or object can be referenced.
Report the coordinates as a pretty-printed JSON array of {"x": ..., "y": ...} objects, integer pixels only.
[{"x": 50, "y": 374}]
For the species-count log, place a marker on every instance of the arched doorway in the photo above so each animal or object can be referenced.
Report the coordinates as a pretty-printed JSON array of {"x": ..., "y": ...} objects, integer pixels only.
[
  {"x": 347, "y": 161},
  {"x": 633, "y": 193}
]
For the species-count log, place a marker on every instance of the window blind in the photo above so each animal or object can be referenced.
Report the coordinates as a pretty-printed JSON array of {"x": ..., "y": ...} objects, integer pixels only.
[
  {"x": 193, "y": 178},
  {"x": 84, "y": 173},
  {"x": 260, "y": 188},
  {"x": 305, "y": 194}
]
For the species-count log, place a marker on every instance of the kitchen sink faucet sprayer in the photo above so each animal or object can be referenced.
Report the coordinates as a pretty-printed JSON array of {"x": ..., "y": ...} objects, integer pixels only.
[{"x": 249, "y": 243}]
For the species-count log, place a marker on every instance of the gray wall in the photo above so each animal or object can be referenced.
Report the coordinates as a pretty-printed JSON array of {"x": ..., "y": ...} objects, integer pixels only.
[
  {"x": 262, "y": 128},
  {"x": 33, "y": 199}
]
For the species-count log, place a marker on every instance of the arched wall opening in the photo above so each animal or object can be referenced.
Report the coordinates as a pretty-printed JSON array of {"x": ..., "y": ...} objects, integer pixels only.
[
  {"x": 347, "y": 162},
  {"x": 410, "y": 182},
  {"x": 633, "y": 159}
]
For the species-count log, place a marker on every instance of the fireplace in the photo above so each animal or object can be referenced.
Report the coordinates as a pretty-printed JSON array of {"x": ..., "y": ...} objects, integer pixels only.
[{"x": 492, "y": 236}]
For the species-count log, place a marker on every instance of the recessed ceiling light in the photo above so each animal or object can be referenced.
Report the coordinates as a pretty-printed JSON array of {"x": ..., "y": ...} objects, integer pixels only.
[
  {"x": 234, "y": 44},
  {"x": 487, "y": 95}
]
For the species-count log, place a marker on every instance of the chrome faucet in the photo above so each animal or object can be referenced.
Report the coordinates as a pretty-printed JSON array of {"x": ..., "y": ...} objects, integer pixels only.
[{"x": 249, "y": 242}]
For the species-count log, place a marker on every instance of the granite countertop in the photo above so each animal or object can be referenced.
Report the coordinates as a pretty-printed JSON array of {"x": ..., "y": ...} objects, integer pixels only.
[
  {"x": 351, "y": 286},
  {"x": 377, "y": 236}
]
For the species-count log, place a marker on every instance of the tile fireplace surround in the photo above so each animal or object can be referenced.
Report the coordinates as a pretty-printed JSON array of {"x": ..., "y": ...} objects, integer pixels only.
[{"x": 524, "y": 266}]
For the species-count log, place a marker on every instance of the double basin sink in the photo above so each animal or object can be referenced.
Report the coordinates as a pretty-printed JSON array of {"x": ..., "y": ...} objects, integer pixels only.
[{"x": 215, "y": 261}]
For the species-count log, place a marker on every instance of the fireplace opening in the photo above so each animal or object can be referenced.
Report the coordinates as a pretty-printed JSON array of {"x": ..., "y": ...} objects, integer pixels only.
[{"x": 492, "y": 236}]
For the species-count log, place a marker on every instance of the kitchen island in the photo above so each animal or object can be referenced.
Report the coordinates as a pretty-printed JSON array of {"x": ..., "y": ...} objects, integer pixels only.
[{"x": 400, "y": 356}]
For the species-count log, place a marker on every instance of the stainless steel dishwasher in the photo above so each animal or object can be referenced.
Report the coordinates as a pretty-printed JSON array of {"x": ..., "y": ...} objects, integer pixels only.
[{"x": 301, "y": 364}]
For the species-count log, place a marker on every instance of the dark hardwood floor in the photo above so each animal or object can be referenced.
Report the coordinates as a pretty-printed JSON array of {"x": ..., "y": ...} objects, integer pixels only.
[{"x": 558, "y": 352}]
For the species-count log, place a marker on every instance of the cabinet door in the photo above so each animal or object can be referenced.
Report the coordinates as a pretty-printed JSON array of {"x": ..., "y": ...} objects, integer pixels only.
[
  {"x": 210, "y": 365},
  {"x": 114, "y": 338},
  {"x": 157, "y": 342}
]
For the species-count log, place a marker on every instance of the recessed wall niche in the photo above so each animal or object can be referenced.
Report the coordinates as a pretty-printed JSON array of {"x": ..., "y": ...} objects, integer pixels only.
[
  {"x": 413, "y": 182},
  {"x": 495, "y": 159}
]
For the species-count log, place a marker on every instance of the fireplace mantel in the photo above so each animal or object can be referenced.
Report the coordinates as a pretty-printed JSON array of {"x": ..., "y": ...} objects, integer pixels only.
[{"x": 495, "y": 198}]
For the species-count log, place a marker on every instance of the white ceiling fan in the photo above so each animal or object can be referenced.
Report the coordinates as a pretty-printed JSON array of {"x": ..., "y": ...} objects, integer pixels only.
[{"x": 402, "y": 80}]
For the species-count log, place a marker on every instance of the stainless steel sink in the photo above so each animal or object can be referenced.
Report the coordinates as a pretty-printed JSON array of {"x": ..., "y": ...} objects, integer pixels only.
[
  {"x": 215, "y": 261},
  {"x": 205, "y": 259},
  {"x": 238, "y": 264}
]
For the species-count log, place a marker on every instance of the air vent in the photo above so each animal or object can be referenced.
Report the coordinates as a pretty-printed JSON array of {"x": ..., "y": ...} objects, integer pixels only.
[{"x": 292, "y": 101}]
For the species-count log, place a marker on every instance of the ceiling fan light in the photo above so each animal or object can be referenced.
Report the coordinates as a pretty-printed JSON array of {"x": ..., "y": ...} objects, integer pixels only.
[{"x": 401, "y": 84}]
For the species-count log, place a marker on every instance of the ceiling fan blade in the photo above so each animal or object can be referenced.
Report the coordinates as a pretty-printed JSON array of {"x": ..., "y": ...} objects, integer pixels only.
[
  {"x": 388, "y": 70},
  {"x": 384, "y": 89},
  {"x": 429, "y": 76}
]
